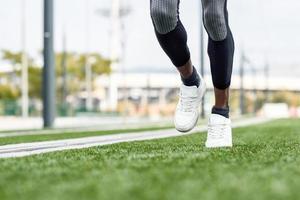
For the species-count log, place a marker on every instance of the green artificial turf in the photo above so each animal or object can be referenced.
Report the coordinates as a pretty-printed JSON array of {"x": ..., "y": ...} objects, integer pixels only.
[
  {"x": 68, "y": 135},
  {"x": 264, "y": 164}
]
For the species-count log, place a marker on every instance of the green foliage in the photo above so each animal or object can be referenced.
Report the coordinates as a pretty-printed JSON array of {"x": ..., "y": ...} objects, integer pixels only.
[
  {"x": 34, "y": 72},
  {"x": 291, "y": 98},
  {"x": 75, "y": 67},
  {"x": 8, "y": 99},
  {"x": 75, "y": 70},
  {"x": 75, "y": 64},
  {"x": 8, "y": 92},
  {"x": 35, "y": 82},
  {"x": 12, "y": 57}
]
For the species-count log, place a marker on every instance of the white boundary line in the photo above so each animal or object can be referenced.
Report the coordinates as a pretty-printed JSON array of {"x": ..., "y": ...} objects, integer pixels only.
[
  {"x": 27, "y": 149},
  {"x": 84, "y": 129}
]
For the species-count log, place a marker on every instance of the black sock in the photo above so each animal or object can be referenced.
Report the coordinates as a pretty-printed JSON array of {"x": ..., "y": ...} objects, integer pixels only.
[
  {"x": 221, "y": 111},
  {"x": 192, "y": 80}
]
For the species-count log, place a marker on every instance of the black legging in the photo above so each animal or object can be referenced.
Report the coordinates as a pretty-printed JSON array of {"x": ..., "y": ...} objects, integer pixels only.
[{"x": 172, "y": 36}]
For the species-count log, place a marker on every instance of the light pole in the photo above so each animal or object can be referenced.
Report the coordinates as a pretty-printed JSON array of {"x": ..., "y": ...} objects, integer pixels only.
[
  {"x": 64, "y": 88},
  {"x": 114, "y": 52},
  {"x": 116, "y": 13},
  {"x": 64, "y": 76},
  {"x": 266, "y": 73},
  {"x": 48, "y": 70},
  {"x": 88, "y": 67},
  {"x": 202, "y": 57},
  {"x": 242, "y": 93},
  {"x": 254, "y": 72},
  {"x": 24, "y": 76}
]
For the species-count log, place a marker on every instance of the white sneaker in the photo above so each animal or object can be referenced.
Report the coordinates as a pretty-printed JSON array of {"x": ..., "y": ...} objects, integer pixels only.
[
  {"x": 187, "y": 111},
  {"x": 219, "y": 132}
]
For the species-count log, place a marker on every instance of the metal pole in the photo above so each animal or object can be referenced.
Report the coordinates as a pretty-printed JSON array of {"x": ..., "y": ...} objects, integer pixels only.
[
  {"x": 48, "y": 70},
  {"x": 114, "y": 52},
  {"x": 24, "y": 86},
  {"x": 266, "y": 72},
  {"x": 64, "y": 87},
  {"x": 242, "y": 92},
  {"x": 116, "y": 13},
  {"x": 88, "y": 67},
  {"x": 123, "y": 71},
  {"x": 89, "y": 81},
  {"x": 202, "y": 58},
  {"x": 254, "y": 89}
]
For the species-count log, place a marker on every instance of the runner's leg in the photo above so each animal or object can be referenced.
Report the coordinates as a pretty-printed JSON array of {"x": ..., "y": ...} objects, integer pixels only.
[{"x": 220, "y": 51}]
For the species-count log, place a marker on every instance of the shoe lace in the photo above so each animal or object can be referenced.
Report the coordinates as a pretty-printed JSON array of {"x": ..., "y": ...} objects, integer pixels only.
[
  {"x": 187, "y": 103},
  {"x": 216, "y": 131}
]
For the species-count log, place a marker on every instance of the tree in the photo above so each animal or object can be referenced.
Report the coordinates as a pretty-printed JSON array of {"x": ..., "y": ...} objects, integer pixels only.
[
  {"x": 34, "y": 72},
  {"x": 75, "y": 71},
  {"x": 291, "y": 98},
  {"x": 8, "y": 92},
  {"x": 75, "y": 67}
]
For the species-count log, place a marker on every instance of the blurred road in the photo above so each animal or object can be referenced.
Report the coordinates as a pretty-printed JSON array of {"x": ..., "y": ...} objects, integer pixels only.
[{"x": 19, "y": 123}]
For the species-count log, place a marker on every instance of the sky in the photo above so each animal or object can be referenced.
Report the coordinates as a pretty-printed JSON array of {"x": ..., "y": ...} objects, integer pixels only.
[{"x": 267, "y": 31}]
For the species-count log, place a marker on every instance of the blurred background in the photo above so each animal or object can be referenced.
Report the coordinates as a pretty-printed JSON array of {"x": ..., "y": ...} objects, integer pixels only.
[{"x": 109, "y": 68}]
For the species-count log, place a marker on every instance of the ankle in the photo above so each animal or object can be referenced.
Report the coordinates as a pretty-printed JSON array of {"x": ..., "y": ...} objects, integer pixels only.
[
  {"x": 221, "y": 106},
  {"x": 223, "y": 111},
  {"x": 192, "y": 80}
]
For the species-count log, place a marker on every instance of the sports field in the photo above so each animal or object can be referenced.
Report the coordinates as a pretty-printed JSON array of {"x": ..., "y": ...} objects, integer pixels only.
[{"x": 264, "y": 164}]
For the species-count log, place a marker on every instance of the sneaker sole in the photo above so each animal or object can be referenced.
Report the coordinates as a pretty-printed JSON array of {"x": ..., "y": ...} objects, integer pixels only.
[
  {"x": 184, "y": 130},
  {"x": 218, "y": 145}
]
